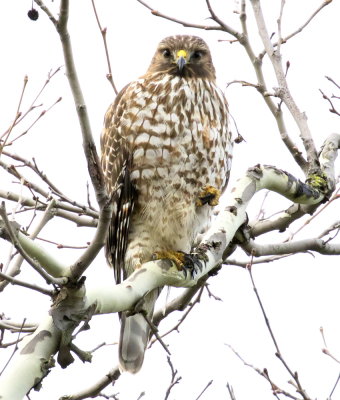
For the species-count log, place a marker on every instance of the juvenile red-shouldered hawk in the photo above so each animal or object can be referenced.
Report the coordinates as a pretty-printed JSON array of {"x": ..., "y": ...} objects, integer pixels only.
[{"x": 167, "y": 147}]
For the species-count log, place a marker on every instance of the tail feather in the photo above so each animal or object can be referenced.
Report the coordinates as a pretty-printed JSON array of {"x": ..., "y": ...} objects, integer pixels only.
[
  {"x": 134, "y": 337},
  {"x": 135, "y": 334}
]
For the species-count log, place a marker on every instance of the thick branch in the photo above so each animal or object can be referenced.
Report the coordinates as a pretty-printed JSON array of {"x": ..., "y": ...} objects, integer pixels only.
[
  {"x": 31, "y": 362},
  {"x": 97, "y": 242},
  {"x": 299, "y": 246},
  {"x": 96, "y": 388},
  {"x": 295, "y": 211},
  {"x": 35, "y": 252},
  {"x": 211, "y": 250},
  {"x": 15, "y": 267},
  {"x": 10, "y": 232},
  {"x": 79, "y": 301}
]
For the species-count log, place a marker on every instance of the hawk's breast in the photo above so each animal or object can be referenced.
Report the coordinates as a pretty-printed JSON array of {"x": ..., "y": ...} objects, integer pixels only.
[{"x": 177, "y": 129}]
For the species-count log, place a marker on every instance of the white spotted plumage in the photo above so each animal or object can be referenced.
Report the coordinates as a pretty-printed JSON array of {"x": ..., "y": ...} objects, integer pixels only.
[{"x": 170, "y": 130}]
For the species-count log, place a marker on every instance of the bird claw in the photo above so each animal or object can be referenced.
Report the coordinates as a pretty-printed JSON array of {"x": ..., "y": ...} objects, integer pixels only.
[
  {"x": 209, "y": 195},
  {"x": 192, "y": 264},
  {"x": 185, "y": 262}
]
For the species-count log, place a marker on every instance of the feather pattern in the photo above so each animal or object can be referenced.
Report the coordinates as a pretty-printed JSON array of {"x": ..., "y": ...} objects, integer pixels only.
[{"x": 165, "y": 139}]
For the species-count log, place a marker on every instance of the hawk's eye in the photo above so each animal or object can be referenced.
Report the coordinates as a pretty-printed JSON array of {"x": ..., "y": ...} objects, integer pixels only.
[
  {"x": 166, "y": 53},
  {"x": 196, "y": 55}
]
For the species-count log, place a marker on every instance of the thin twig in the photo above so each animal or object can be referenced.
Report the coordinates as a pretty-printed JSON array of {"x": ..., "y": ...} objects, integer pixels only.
[
  {"x": 155, "y": 332},
  {"x": 76, "y": 207},
  {"x": 63, "y": 246},
  {"x": 175, "y": 328},
  {"x": 15, "y": 348},
  {"x": 278, "y": 353},
  {"x": 205, "y": 388},
  {"x": 333, "y": 110},
  {"x": 231, "y": 392},
  {"x": 14, "y": 343},
  {"x": 89, "y": 146},
  {"x": 180, "y": 303},
  {"x": 17, "y": 116},
  {"x": 178, "y": 21},
  {"x": 60, "y": 209},
  {"x": 174, "y": 379},
  {"x": 332, "y": 80},
  {"x": 103, "y": 33},
  {"x": 334, "y": 197},
  {"x": 303, "y": 26},
  {"x": 43, "y": 112},
  {"x": 222, "y": 24},
  {"x": 334, "y": 387},
  {"x": 27, "y": 285},
  {"x": 264, "y": 260},
  {"x": 265, "y": 374}
]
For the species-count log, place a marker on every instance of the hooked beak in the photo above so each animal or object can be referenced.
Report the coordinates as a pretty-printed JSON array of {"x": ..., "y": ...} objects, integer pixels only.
[{"x": 181, "y": 59}]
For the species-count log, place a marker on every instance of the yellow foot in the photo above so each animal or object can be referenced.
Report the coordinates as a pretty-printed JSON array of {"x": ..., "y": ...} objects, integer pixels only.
[
  {"x": 188, "y": 263},
  {"x": 176, "y": 256},
  {"x": 209, "y": 195}
]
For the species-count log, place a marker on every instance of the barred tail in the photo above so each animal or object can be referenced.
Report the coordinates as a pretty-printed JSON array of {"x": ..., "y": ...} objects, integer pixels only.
[{"x": 134, "y": 335}]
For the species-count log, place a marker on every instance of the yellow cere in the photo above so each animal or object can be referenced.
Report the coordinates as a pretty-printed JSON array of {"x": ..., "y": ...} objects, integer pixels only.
[{"x": 182, "y": 53}]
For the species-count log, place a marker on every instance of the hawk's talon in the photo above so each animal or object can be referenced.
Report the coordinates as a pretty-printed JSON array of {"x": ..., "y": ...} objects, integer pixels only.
[
  {"x": 185, "y": 262},
  {"x": 209, "y": 195}
]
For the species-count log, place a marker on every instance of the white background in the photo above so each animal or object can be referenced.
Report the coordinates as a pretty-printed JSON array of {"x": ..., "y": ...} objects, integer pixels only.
[{"x": 300, "y": 294}]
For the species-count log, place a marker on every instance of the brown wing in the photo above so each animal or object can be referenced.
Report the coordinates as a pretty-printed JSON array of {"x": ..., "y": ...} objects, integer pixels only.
[{"x": 116, "y": 162}]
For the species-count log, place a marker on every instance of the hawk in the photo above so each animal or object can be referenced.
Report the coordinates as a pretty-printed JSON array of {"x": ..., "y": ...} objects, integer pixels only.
[{"x": 166, "y": 156}]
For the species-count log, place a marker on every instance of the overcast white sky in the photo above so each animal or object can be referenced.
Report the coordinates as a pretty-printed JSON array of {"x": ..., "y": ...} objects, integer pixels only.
[{"x": 300, "y": 294}]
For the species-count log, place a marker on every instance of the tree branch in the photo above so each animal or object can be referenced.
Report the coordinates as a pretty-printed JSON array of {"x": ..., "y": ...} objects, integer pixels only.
[
  {"x": 72, "y": 215},
  {"x": 27, "y": 285},
  {"x": 15, "y": 267},
  {"x": 90, "y": 151},
  {"x": 278, "y": 353},
  {"x": 103, "y": 33},
  {"x": 263, "y": 90},
  {"x": 303, "y": 26},
  {"x": 31, "y": 251},
  {"x": 283, "y": 90},
  {"x": 31, "y": 363},
  {"x": 327, "y": 159},
  {"x": 75, "y": 206},
  {"x": 299, "y": 246},
  {"x": 76, "y": 302},
  {"x": 96, "y": 388},
  {"x": 178, "y": 21},
  {"x": 6, "y": 230}
]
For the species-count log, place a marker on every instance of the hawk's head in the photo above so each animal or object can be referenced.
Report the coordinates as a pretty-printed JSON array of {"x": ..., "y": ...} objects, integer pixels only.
[{"x": 183, "y": 55}]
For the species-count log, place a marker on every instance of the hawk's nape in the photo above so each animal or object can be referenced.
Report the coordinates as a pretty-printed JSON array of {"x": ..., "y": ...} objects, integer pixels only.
[{"x": 167, "y": 146}]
